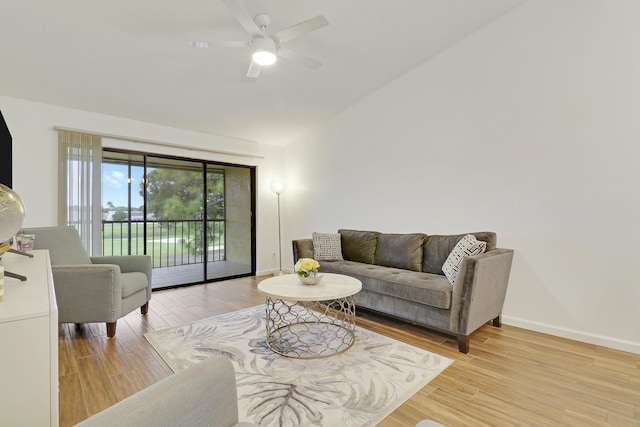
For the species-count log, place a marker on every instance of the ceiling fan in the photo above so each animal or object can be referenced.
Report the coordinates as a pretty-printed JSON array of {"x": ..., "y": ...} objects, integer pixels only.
[{"x": 267, "y": 47}]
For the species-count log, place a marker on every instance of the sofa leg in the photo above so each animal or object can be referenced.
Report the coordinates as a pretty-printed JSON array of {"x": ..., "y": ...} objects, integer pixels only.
[
  {"x": 497, "y": 322},
  {"x": 463, "y": 344},
  {"x": 111, "y": 329},
  {"x": 145, "y": 308}
]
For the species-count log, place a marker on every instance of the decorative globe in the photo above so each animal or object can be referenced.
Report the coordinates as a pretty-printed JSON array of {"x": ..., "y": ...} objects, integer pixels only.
[{"x": 11, "y": 213}]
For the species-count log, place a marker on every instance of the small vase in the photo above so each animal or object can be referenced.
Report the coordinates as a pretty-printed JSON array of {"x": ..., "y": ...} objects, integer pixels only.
[{"x": 311, "y": 279}]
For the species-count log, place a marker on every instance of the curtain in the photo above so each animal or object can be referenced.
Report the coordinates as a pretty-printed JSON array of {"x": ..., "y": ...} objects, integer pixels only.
[{"x": 79, "y": 195}]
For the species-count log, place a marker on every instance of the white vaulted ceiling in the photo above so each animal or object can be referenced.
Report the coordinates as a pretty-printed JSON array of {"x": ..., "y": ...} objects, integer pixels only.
[{"x": 132, "y": 59}]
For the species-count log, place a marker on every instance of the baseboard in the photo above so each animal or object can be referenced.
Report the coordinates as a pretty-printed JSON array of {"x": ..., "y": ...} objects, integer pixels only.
[
  {"x": 572, "y": 334},
  {"x": 271, "y": 272}
]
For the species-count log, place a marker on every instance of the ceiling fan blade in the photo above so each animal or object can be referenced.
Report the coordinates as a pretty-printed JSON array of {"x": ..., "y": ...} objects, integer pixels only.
[
  {"x": 199, "y": 44},
  {"x": 204, "y": 45},
  {"x": 253, "y": 71},
  {"x": 242, "y": 16},
  {"x": 296, "y": 57},
  {"x": 297, "y": 30}
]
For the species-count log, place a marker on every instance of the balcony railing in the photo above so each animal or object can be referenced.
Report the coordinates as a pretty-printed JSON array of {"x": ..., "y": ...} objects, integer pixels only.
[{"x": 170, "y": 243}]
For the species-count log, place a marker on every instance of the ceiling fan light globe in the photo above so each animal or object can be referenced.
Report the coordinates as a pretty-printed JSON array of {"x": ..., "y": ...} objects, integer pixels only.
[
  {"x": 263, "y": 57},
  {"x": 264, "y": 51}
]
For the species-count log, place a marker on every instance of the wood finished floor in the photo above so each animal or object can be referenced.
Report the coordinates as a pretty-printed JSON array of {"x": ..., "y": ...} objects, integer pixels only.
[{"x": 511, "y": 376}]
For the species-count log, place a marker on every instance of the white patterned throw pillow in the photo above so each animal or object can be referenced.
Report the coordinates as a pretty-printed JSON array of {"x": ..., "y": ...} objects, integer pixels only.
[
  {"x": 467, "y": 246},
  {"x": 327, "y": 247}
]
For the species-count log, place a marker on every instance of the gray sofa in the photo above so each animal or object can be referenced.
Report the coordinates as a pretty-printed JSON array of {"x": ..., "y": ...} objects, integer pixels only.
[{"x": 402, "y": 276}]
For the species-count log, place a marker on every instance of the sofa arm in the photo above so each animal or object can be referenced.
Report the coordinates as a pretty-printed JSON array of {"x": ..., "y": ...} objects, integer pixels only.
[
  {"x": 302, "y": 248},
  {"x": 88, "y": 293},
  {"x": 482, "y": 286},
  {"x": 202, "y": 395}
]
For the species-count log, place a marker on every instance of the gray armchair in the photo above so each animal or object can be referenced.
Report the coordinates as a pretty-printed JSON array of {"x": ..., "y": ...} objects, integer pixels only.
[
  {"x": 93, "y": 289},
  {"x": 202, "y": 395}
]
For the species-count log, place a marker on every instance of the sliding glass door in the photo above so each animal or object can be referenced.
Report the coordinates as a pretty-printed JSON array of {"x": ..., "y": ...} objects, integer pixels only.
[{"x": 193, "y": 217}]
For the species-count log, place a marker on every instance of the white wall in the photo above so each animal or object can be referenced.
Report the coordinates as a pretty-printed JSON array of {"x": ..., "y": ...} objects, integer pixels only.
[
  {"x": 529, "y": 128},
  {"x": 35, "y": 160}
]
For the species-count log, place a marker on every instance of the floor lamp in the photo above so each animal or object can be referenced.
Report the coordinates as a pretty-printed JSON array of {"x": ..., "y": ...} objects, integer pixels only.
[{"x": 278, "y": 186}]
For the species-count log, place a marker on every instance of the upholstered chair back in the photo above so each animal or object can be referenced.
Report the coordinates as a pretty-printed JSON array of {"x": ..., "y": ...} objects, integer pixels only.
[{"x": 64, "y": 244}]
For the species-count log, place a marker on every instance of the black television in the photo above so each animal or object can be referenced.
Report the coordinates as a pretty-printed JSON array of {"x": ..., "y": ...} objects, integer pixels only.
[{"x": 5, "y": 153}]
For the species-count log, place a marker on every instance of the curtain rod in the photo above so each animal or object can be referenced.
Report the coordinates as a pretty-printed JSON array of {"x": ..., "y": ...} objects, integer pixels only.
[{"x": 163, "y": 144}]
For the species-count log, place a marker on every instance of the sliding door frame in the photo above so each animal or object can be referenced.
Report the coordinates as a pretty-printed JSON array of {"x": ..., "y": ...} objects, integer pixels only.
[{"x": 205, "y": 169}]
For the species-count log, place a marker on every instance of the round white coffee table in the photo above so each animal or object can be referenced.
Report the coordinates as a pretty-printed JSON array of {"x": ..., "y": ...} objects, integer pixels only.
[{"x": 310, "y": 321}]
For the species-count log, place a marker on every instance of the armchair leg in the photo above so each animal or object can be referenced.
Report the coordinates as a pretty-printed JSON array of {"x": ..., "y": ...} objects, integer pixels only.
[
  {"x": 111, "y": 329},
  {"x": 463, "y": 344},
  {"x": 145, "y": 308}
]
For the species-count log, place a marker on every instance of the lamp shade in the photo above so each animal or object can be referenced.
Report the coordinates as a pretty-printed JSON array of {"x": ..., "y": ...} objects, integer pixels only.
[
  {"x": 278, "y": 185},
  {"x": 264, "y": 51},
  {"x": 11, "y": 213}
]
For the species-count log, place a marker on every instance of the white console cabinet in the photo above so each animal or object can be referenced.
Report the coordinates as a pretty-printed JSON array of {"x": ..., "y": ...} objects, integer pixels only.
[{"x": 28, "y": 343}]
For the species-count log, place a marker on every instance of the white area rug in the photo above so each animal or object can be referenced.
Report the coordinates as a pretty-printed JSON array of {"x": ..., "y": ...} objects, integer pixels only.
[{"x": 359, "y": 387}]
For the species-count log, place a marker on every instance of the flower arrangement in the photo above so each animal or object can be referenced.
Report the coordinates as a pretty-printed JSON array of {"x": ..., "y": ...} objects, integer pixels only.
[{"x": 306, "y": 267}]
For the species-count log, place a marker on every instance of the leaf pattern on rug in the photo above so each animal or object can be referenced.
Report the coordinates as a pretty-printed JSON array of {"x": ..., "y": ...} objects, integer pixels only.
[
  {"x": 357, "y": 387},
  {"x": 284, "y": 404}
]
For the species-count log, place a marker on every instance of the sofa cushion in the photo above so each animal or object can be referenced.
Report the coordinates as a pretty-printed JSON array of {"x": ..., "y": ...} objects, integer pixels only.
[
  {"x": 400, "y": 251},
  {"x": 467, "y": 246},
  {"x": 438, "y": 247},
  {"x": 327, "y": 247},
  {"x": 302, "y": 248},
  {"x": 423, "y": 288},
  {"x": 359, "y": 245}
]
